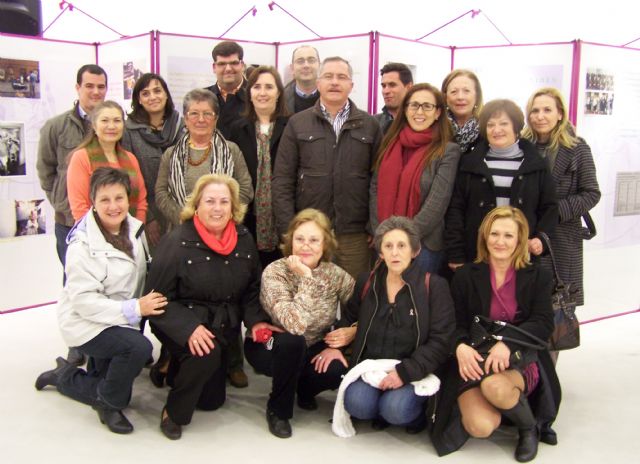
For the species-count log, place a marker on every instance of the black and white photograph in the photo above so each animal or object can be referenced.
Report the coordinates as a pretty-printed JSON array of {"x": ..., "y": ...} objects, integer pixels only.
[
  {"x": 12, "y": 155},
  {"x": 30, "y": 218},
  {"x": 19, "y": 78}
]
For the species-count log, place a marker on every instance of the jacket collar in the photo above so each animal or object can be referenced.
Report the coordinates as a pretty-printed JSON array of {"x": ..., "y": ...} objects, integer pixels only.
[
  {"x": 481, "y": 279},
  {"x": 87, "y": 230},
  {"x": 473, "y": 162}
]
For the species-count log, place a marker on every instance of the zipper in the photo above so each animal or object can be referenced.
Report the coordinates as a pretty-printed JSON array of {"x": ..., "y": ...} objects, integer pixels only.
[
  {"x": 415, "y": 308},
  {"x": 375, "y": 311}
]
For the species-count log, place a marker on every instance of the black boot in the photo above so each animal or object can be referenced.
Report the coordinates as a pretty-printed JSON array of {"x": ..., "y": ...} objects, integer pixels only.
[
  {"x": 75, "y": 357},
  {"x": 113, "y": 418},
  {"x": 53, "y": 376},
  {"x": 522, "y": 417}
]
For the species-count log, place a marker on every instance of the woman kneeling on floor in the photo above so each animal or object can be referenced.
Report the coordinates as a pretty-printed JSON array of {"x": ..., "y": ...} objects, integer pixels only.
[
  {"x": 100, "y": 308},
  {"x": 500, "y": 285}
]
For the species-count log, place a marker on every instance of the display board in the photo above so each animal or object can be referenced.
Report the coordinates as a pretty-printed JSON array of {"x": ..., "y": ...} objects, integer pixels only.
[
  {"x": 608, "y": 102},
  {"x": 516, "y": 71},
  {"x": 186, "y": 62},
  {"x": 37, "y": 82},
  {"x": 355, "y": 49},
  {"x": 125, "y": 60},
  {"x": 428, "y": 63}
]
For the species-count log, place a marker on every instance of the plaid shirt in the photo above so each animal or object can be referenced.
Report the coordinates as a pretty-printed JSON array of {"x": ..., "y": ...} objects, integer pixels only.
[{"x": 340, "y": 118}]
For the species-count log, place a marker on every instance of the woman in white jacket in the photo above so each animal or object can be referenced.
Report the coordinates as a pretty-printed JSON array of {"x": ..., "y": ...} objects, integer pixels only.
[{"x": 100, "y": 311}]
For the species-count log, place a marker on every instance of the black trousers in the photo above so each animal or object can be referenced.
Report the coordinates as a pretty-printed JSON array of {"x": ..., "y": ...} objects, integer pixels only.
[
  {"x": 196, "y": 381},
  {"x": 288, "y": 363}
]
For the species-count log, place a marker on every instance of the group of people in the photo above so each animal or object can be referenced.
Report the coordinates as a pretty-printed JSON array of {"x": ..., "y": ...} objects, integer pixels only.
[{"x": 331, "y": 234}]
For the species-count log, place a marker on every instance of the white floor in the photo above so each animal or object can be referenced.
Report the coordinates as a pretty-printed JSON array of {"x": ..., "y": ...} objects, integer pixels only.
[{"x": 598, "y": 421}]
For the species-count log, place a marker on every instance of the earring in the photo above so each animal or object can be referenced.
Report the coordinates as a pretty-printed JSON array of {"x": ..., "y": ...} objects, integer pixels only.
[{"x": 94, "y": 210}]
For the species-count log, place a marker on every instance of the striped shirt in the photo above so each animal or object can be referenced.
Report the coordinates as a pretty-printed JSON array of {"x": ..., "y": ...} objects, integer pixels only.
[
  {"x": 340, "y": 118},
  {"x": 503, "y": 163}
]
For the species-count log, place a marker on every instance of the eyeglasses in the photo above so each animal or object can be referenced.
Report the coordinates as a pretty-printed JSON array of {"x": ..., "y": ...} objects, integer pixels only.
[
  {"x": 224, "y": 64},
  {"x": 426, "y": 107},
  {"x": 312, "y": 242},
  {"x": 310, "y": 60},
  {"x": 196, "y": 115},
  {"x": 340, "y": 77}
]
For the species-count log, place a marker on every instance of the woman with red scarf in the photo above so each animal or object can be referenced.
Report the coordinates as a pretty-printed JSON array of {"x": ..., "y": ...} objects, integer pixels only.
[
  {"x": 415, "y": 171},
  {"x": 209, "y": 270}
]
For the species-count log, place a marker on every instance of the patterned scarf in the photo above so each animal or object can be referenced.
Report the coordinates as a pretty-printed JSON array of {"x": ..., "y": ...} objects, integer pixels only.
[
  {"x": 266, "y": 236},
  {"x": 399, "y": 181},
  {"x": 467, "y": 134},
  {"x": 98, "y": 159},
  {"x": 221, "y": 163}
]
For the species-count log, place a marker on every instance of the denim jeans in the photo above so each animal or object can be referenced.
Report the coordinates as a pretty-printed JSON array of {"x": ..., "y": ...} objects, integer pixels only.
[
  {"x": 398, "y": 407},
  {"x": 61, "y": 232},
  {"x": 117, "y": 355},
  {"x": 429, "y": 261}
]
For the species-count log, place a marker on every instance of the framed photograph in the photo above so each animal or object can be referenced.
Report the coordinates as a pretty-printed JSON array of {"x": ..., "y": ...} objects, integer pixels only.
[
  {"x": 12, "y": 149},
  {"x": 30, "y": 219},
  {"x": 19, "y": 78}
]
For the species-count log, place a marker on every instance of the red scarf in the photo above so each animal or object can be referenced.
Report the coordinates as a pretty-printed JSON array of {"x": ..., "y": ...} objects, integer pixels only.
[
  {"x": 399, "y": 183},
  {"x": 223, "y": 246}
]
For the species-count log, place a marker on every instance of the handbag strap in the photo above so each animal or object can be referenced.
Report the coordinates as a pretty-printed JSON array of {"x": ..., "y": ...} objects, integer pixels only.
[
  {"x": 547, "y": 241},
  {"x": 535, "y": 343},
  {"x": 590, "y": 231}
]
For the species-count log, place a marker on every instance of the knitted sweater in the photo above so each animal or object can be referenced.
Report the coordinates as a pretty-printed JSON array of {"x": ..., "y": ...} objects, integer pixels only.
[{"x": 304, "y": 305}]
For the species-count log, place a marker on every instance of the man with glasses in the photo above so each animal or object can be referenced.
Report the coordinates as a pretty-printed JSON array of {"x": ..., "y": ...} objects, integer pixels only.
[
  {"x": 396, "y": 80},
  {"x": 230, "y": 87},
  {"x": 302, "y": 92},
  {"x": 324, "y": 162}
]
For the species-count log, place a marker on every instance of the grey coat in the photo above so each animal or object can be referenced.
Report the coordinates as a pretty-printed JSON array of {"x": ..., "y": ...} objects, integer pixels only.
[
  {"x": 577, "y": 191},
  {"x": 436, "y": 187}
]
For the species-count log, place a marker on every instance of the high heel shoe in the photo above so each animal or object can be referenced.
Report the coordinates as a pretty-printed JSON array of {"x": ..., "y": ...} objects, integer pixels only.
[
  {"x": 53, "y": 376},
  {"x": 113, "y": 418}
]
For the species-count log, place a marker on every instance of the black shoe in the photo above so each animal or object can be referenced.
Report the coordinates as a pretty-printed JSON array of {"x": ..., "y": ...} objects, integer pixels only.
[
  {"x": 281, "y": 428},
  {"x": 113, "y": 418},
  {"x": 51, "y": 377},
  {"x": 548, "y": 435},
  {"x": 157, "y": 376},
  {"x": 170, "y": 429},
  {"x": 379, "y": 424},
  {"x": 307, "y": 404},
  {"x": 527, "y": 448},
  {"x": 417, "y": 425},
  {"x": 75, "y": 357}
]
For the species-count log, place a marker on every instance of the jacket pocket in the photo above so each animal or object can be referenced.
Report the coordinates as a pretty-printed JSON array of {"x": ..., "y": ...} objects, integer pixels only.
[
  {"x": 360, "y": 153},
  {"x": 312, "y": 153}
]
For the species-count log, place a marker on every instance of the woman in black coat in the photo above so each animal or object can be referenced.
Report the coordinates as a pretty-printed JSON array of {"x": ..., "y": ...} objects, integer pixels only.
[
  {"x": 258, "y": 135},
  {"x": 502, "y": 285},
  {"x": 574, "y": 174},
  {"x": 500, "y": 171},
  {"x": 210, "y": 273}
]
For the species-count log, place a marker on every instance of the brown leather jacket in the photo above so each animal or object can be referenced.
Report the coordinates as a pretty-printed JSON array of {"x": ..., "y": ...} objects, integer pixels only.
[{"x": 313, "y": 170}]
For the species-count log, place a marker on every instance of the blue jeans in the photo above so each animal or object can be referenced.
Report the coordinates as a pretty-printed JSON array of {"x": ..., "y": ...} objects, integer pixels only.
[
  {"x": 398, "y": 407},
  {"x": 61, "y": 232},
  {"x": 117, "y": 355},
  {"x": 429, "y": 261}
]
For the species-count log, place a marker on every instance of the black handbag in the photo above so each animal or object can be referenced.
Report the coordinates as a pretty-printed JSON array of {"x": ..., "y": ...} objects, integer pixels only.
[
  {"x": 566, "y": 331},
  {"x": 485, "y": 332}
]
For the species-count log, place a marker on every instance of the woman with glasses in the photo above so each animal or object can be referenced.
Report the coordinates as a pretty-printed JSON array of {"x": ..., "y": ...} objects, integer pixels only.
[
  {"x": 301, "y": 293},
  {"x": 415, "y": 171},
  {"x": 201, "y": 150}
]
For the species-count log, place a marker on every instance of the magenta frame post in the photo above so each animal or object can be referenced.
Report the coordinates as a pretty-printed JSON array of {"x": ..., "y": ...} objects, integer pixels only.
[
  {"x": 157, "y": 52},
  {"x": 575, "y": 82},
  {"x": 453, "y": 58},
  {"x": 374, "y": 60},
  {"x": 152, "y": 51}
]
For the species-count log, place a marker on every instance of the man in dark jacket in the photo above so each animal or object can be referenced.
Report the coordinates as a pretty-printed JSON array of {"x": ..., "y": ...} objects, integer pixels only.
[
  {"x": 396, "y": 80},
  {"x": 324, "y": 162},
  {"x": 302, "y": 92},
  {"x": 230, "y": 87}
]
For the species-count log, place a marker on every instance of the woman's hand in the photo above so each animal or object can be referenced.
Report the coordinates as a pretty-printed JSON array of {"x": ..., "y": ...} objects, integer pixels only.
[
  {"x": 498, "y": 358},
  {"x": 535, "y": 246},
  {"x": 201, "y": 341},
  {"x": 340, "y": 337},
  {"x": 468, "y": 362},
  {"x": 151, "y": 304},
  {"x": 454, "y": 266},
  {"x": 391, "y": 382},
  {"x": 264, "y": 325},
  {"x": 322, "y": 360},
  {"x": 298, "y": 267},
  {"x": 152, "y": 230}
]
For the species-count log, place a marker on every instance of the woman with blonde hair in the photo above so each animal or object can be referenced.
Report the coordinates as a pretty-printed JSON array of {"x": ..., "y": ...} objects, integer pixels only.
[
  {"x": 463, "y": 94},
  {"x": 500, "y": 285},
  {"x": 574, "y": 174},
  {"x": 209, "y": 270}
]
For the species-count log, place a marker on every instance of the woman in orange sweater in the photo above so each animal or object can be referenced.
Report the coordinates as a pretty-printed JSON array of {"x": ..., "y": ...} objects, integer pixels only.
[{"x": 100, "y": 148}]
